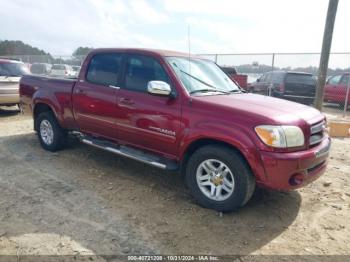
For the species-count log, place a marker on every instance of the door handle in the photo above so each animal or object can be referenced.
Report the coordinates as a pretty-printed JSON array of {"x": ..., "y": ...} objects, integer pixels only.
[
  {"x": 126, "y": 101},
  {"x": 79, "y": 91}
]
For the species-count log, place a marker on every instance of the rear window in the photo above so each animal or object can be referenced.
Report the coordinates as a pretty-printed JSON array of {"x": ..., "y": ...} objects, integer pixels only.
[
  {"x": 13, "y": 69},
  {"x": 58, "y": 67},
  {"x": 104, "y": 69},
  {"x": 300, "y": 78}
]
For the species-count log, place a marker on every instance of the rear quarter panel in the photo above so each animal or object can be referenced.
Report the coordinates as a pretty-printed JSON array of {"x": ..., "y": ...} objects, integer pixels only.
[{"x": 53, "y": 92}]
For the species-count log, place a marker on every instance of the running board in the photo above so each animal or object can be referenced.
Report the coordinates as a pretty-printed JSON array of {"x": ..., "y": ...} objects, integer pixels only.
[{"x": 139, "y": 155}]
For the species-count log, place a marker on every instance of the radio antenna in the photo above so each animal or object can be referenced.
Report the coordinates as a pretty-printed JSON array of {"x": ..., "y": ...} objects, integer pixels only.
[
  {"x": 189, "y": 40},
  {"x": 189, "y": 48}
]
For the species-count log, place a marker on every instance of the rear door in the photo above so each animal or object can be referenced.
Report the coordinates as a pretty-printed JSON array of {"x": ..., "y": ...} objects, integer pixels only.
[
  {"x": 144, "y": 120},
  {"x": 94, "y": 96}
]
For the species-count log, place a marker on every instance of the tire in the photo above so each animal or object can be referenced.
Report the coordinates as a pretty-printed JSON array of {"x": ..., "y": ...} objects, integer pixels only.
[
  {"x": 55, "y": 138},
  {"x": 239, "y": 175}
]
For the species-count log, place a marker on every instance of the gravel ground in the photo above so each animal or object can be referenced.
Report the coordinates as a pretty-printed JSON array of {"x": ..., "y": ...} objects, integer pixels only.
[{"x": 86, "y": 201}]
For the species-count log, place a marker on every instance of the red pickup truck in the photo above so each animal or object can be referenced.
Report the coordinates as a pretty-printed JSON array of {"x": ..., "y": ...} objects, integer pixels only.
[{"x": 176, "y": 112}]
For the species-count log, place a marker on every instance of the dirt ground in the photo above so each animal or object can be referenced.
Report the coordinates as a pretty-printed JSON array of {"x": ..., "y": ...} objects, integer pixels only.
[{"x": 86, "y": 201}]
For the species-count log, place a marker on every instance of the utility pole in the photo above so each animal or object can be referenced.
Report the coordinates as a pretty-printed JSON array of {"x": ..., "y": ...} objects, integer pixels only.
[{"x": 326, "y": 48}]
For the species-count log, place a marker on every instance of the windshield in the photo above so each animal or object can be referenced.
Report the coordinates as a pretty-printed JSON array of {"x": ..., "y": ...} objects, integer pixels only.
[
  {"x": 13, "y": 69},
  {"x": 198, "y": 75}
]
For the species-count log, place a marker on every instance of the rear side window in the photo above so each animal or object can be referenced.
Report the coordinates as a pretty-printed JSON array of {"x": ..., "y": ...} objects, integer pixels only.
[
  {"x": 300, "y": 78},
  {"x": 142, "y": 69},
  {"x": 13, "y": 69},
  {"x": 104, "y": 69}
]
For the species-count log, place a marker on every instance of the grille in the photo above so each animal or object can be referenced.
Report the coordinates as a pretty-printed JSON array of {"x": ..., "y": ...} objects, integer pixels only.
[{"x": 316, "y": 133}]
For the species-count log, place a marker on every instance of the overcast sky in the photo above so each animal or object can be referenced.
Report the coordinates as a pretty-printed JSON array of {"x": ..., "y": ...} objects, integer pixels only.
[{"x": 216, "y": 26}]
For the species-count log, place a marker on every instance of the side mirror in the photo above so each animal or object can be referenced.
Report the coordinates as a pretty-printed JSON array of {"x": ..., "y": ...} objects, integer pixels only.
[
  {"x": 258, "y": 80},
  {"x": 158, "y": 88}
]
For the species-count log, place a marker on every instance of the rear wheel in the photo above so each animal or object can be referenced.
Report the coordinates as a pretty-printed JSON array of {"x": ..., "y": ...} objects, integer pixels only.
[
  {"x": 51, "y": 136},
  {"x": 219, "y": 178}
]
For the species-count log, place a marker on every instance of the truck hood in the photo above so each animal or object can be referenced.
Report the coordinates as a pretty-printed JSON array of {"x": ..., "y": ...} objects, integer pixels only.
[{"x": 278, "y": 110}]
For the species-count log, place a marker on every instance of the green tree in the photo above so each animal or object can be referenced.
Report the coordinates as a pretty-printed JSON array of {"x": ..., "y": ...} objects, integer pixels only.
[
  {"x": 82, "y": 51},
  {"x": 8, "y": 47}
]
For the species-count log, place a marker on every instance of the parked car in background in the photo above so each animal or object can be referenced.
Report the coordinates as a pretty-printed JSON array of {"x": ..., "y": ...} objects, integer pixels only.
[
  {"x": 168, "y": 111},
  {"x": 62, "y": 70},
  {"x": 76, "y": 70},
  {"x": 240, "y": 79},
  {"x": 10, "y": 74},
  {"x": 40, "y": 68},
  {"x": 335, "y": 91},
  {"x": 289, "y": 85}
]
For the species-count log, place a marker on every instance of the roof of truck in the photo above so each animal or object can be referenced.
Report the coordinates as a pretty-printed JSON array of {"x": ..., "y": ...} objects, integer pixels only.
[{"x": 144, "y": 50}]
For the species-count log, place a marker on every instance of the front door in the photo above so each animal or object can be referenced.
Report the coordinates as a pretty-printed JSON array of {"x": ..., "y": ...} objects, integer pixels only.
[
  {"x": 144, "y": 120},
  {"x": 332, "y": 90},
  {"x": 94, "y": 98}
]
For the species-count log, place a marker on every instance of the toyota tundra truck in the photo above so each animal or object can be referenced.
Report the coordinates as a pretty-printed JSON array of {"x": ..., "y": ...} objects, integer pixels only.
[{"x": 177, "y": 111}]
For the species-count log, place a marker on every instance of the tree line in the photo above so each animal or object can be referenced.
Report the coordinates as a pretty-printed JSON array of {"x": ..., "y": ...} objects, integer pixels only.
[{"x": 30, "y": 54}]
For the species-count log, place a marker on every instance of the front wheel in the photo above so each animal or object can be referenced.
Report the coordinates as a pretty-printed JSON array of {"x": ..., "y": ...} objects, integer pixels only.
[
  {"x": 219, "y": 178},
  {"x": 51, "y": 136}
]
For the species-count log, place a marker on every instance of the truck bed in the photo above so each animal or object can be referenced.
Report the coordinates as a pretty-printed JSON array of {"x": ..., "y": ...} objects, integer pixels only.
[{"x": 55, "y": 91}]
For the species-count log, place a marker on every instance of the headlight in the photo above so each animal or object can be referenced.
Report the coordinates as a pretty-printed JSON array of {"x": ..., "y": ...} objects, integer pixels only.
[{"x": 280, "y": 136}]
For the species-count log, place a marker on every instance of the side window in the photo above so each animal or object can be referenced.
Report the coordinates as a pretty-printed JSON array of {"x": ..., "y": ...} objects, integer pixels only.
[
  {"x": 344, "y": 80},
  {"x": 268, "y": 78},
  {"x": 334, "y": 80},
  {"x": 142, "y": 69},
  {"x": 262, "y": 78},
  {"x": 277, "y": 78},
  {"x": 104, "y": 69}
]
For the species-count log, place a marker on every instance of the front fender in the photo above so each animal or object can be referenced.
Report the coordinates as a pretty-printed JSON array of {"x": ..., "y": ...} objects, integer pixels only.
[{"x": 235, "y": 136}]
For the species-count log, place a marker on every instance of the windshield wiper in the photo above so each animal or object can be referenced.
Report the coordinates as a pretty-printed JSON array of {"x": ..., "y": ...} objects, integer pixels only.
[
  {"x": 208, "y": 90},
  {"x": 235, "y": 91},
  {"x": 199, "y": 80}
]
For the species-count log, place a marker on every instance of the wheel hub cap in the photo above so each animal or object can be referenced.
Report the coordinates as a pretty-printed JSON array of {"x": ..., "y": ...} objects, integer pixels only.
[
  {"x": 46, "y": 132},
  {"x": 215, "y": 179}
]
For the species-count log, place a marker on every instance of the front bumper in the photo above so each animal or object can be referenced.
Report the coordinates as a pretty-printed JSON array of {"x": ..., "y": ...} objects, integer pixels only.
[{"x": 280, "y": 168}]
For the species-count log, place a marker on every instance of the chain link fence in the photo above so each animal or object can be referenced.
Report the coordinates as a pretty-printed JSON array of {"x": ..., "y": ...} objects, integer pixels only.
[
  {"x": 256, "y": 72},
  {"x": 266, "y": 74}
]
